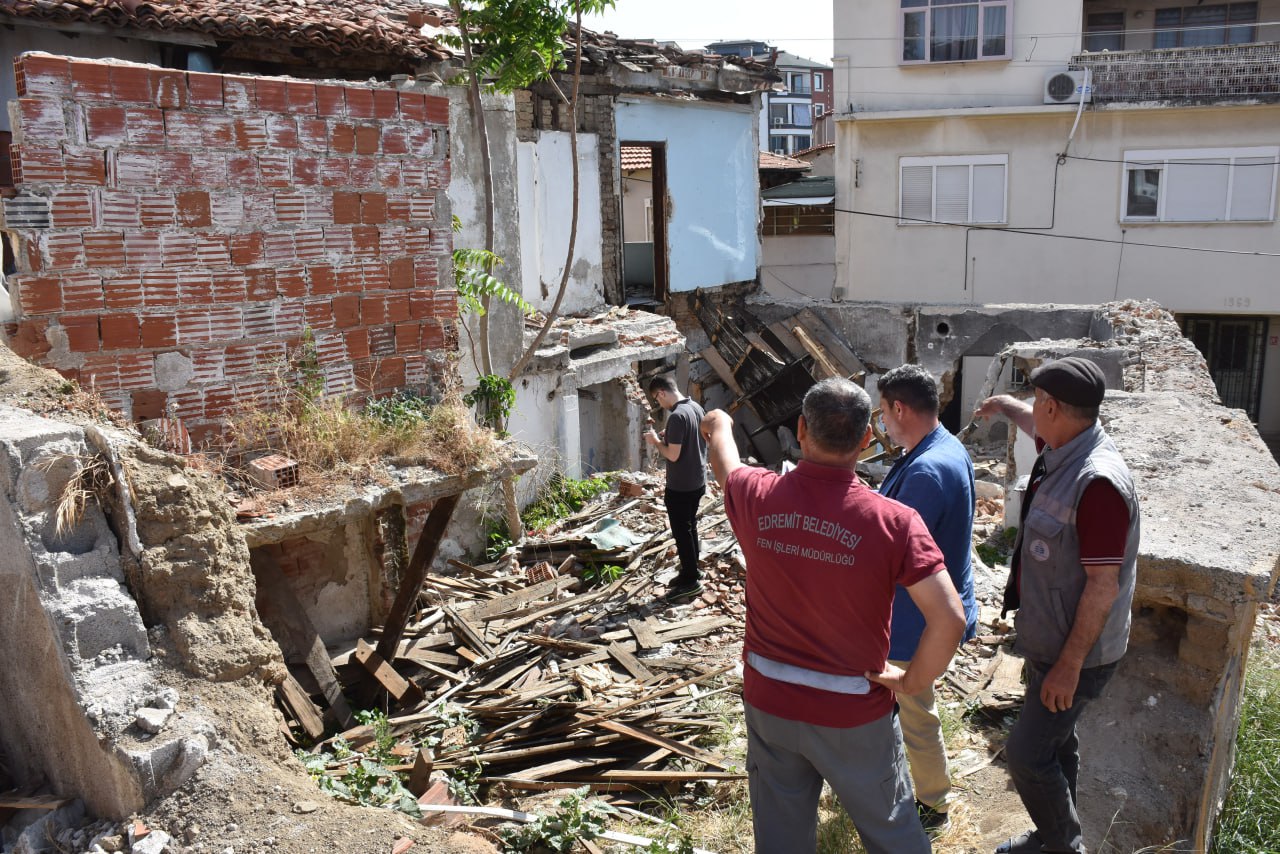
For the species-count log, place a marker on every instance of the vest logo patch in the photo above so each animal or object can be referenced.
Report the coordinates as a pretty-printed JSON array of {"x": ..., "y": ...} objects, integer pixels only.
[{"x": 1039, "y": 549}]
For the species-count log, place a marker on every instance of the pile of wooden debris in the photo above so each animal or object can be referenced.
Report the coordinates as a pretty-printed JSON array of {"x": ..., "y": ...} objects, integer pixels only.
[{"x": 559, "y": 666}]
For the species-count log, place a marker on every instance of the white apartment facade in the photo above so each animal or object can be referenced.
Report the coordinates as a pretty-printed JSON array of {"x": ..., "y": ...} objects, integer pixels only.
[
  {"x": 968, "y": 171},
  {"x": 790, "y": 111}
]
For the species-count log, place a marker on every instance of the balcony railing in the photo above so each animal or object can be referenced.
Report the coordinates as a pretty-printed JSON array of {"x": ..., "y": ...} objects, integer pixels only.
[{"x": 1195, "y": 74}]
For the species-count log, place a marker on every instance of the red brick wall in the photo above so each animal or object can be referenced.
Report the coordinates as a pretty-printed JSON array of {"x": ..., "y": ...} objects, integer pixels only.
[{"x": 200, "y": 222}]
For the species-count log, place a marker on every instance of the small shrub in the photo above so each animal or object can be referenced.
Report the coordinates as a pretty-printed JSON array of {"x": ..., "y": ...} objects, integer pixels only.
[{"x": 575, "y": 819}]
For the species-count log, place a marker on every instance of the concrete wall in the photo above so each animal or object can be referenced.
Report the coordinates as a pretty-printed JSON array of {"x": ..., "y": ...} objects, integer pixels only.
[
  {"x": 545, "y": 188},
  {"x": 868, "y": 73},
  {"x": 712, "y": 229},
  {"x": 799, "y": 265},
  {"x": 199, "y": 223},
  {"x": 466, "y": 200},
  {"x": 879, "y": 260}
]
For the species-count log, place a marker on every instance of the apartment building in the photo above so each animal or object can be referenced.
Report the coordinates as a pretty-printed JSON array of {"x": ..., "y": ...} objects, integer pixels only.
[
  {"x": 789, "y": 112},
  {"x": 1078, "y": 151}
]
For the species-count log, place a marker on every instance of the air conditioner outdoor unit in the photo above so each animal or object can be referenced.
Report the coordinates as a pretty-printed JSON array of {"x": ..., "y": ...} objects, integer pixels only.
[
  {"x": 1067, "y": 87},
  {"x": 777, "y": 121}
]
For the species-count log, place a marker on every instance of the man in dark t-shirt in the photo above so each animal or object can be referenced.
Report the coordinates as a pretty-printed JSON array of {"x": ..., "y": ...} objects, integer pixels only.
[{"x": 685, "y": 451}]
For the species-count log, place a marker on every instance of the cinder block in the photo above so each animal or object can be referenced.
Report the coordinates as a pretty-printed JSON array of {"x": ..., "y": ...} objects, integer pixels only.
[{"x": 274, "y": 472}]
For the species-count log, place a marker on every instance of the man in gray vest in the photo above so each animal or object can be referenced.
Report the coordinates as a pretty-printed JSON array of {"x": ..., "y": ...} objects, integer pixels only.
[{"x": 1071, "y": 581}]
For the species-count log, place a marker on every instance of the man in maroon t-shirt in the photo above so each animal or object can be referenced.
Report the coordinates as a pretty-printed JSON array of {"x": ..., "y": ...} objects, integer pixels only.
[{"x": 824, "y": 554}]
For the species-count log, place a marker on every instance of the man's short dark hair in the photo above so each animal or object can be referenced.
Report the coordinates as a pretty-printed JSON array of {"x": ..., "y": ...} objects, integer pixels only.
[
  {"x": 912, "y": 386},
  {"x": 662, "y": 383},
  {"x": 1081, "y": 413},
  {"x": 836, "y": 414}
]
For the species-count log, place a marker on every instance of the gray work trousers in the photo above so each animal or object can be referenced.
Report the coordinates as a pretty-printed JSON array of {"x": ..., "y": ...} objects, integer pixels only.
[{"x": 865, "y": 765}]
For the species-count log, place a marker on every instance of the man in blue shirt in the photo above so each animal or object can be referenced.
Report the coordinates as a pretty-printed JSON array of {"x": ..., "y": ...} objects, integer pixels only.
[{"x": 935, "y": 478}]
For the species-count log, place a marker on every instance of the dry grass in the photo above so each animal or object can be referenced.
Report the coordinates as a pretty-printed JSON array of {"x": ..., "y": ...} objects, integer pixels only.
[
  {"x": 329, "y": 438},
  {"x": 92, "y": 478}
]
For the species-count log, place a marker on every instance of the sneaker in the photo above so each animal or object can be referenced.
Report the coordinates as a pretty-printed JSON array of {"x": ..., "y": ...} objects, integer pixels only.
[
  {"x": 682, "y": 590},
  {"x": 1025, "y": 843},
  {"x": 933, "y": 821}
]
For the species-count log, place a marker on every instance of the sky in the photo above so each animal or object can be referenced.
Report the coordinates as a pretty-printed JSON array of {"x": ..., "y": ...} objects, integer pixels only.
[{"x": 802, "y": 27}]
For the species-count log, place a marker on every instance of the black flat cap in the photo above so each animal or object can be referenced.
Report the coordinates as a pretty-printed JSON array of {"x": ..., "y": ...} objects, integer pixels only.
[{"x": 1072, "y": 380}]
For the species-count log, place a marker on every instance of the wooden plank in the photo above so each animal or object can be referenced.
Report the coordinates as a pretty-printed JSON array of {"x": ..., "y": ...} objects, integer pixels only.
[
  {"x": 826, "y": 367},
  {"x": 784, "y": 336},
  {"x": 633, "y": 776},
  {"x": 563, "y": 766},
  {"x": 645, "y": 637},
  {"x": 430, "y": 656},
  {"x": 754, "y": 338},
  {"x": 420, "y": 775},
  {"x": 502, "y": 605},
  {"x": 667, "y": 744},
  {"x": 282, "y": 613},
  {"x": 415, "y": 573},
  {"x": 694, "y": 628},
  {"x": 836, "y": 349},
  {"x": 468, "y": 632},
  {"x": 397, "y": 686},
  {"x": 300, "y": 706},
  {"x": 413, "y": 656},
  {"x": 13, "y": 800},
  {"x": 713, "y": 358},
  {"x": 630, "y": 663}
]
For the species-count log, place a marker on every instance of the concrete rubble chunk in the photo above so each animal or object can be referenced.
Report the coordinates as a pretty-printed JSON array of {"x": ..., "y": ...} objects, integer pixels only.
[
  {"x": 153, "y": 843},
  {"x": 152, "y": 720}
]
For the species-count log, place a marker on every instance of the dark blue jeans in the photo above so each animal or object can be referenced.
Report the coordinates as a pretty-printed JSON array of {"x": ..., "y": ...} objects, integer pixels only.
[
  {"x": 682, "y": 513},
  {"x": 1043, "y": 753}
]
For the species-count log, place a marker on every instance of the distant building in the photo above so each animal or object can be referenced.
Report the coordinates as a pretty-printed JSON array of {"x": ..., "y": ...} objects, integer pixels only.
[{"x": 788, "y": 114}]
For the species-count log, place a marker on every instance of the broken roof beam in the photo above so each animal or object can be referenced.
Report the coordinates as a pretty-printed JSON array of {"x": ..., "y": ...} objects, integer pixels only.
[{"x": 414, "y": 575}]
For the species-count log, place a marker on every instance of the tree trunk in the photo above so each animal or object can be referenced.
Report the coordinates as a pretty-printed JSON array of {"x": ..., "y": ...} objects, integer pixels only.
[{"x": 523, "y": 361}]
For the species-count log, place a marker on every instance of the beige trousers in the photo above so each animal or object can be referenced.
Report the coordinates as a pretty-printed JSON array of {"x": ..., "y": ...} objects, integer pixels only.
[{"x": 926, "y": 753}]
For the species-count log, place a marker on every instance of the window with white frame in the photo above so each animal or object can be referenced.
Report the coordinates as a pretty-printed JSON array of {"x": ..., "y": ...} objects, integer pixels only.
[
  {"x": 819, "y": 110},
  {"x": 818, "y": 82},
  {"x": 960, "y": 189},
  {"x": 956, "y": 30},
  {"x": 1200, "y": 185}
]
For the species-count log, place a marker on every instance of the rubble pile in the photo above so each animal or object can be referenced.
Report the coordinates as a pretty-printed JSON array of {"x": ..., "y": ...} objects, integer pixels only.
[{"x": 556, "y": 667}]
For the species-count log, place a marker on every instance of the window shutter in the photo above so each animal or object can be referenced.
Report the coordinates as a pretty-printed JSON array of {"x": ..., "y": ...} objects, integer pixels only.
[
  {"x": 952, "y": 194},
  {"x": 1196, "y": 191},
  {"x": 988, "y": 194},
  {"x": 1252, "y": 185},
  {"x": 917, "y": 193}
]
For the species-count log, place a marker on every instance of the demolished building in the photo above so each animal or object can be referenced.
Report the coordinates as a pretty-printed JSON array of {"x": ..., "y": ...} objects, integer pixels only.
[{"x": 163, "y": 261}]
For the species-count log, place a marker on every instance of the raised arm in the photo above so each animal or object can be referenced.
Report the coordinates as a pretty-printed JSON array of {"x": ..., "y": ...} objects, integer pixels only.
[
  {"x": 722, "y": 451},
  {"x": 1017, "y": 411}
]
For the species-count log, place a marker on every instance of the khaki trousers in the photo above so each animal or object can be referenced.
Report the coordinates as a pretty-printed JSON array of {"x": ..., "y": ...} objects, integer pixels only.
[{"x": 926, "y": 753}]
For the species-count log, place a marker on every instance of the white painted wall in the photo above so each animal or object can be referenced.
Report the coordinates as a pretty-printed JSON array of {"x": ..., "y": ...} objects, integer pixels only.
[
  {"x": 799, "y": 265},
  {"x": 880, "y": 260},
  {"x": 545, "y": 187},
  {"x": 637, "y": 188},
  {"x": 712, "y": 182},
  {"x": 868, "y": 73}
]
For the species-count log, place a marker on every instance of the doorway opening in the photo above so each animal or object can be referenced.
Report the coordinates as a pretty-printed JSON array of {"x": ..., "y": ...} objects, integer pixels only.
[
  {"x": 645, "y": 263},
  {"x": 1233, "y": 347}
]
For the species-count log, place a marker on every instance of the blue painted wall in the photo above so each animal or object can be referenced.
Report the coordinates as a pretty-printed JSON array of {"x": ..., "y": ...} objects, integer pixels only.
[{"x": 713, "y": 183}]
